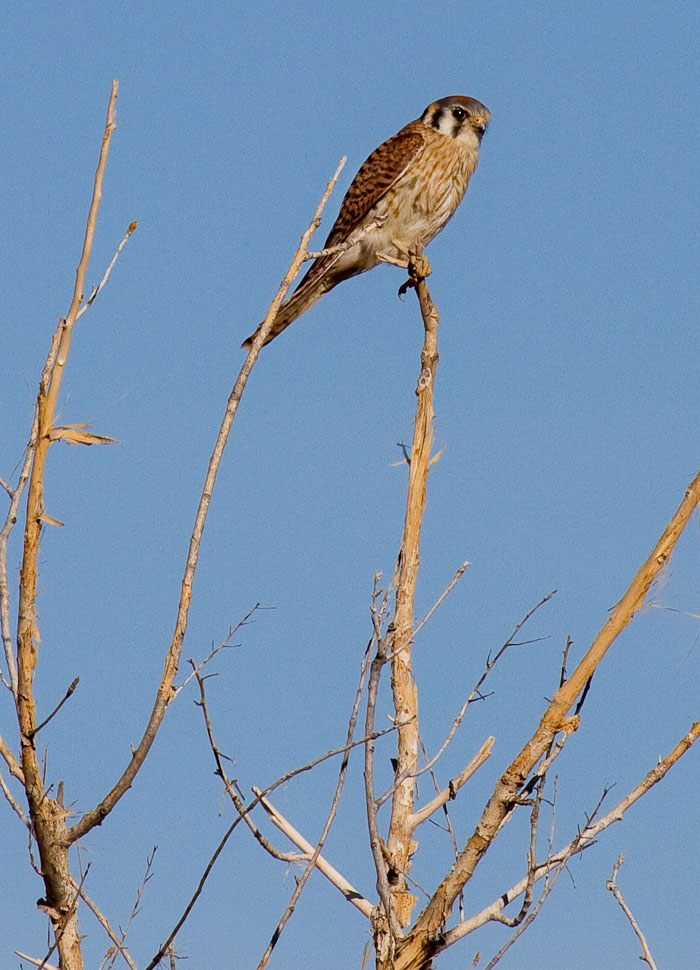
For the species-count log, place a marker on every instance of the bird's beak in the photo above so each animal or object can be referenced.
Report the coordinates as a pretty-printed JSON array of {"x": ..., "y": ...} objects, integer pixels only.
[{"x": 479, "y": 124}]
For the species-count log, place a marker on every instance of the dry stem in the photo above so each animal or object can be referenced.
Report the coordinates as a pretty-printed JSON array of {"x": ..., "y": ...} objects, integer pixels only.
[
  {"x": 47, "y": 815},
  {"x": 400, "y": 844},
  {"x": 611, "y": 884}
]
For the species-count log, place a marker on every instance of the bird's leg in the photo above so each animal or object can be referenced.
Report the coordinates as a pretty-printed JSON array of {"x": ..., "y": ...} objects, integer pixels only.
[{"x": 418, "y": 269}]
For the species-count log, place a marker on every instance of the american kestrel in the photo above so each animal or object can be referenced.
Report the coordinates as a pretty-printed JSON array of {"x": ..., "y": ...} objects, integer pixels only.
[{"x": 410, "y": 186}]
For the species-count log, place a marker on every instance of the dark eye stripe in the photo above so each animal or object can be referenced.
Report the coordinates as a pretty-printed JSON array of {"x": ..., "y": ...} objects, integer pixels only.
[{"x": 437, "y": 117}]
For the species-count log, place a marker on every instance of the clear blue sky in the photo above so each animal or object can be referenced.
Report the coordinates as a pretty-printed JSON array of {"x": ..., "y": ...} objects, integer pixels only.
[{"x": 567, "y": 402}]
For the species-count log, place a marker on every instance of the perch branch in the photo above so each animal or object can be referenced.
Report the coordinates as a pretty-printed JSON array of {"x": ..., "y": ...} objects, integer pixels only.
[{"x": 400, "y": 845}]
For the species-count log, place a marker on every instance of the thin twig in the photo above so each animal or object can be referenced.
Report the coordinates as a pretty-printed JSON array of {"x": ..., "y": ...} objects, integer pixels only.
[
  {"x": 104, "y": 923},
  {"x": 343, "y": 247},
  {"x": 446, "y": 592},
  {"x": 14, "y": 805},
  {"x": 57, "y": 708},
  {"x": 108, "y": 272},
  {"x": 212, "y": 653},
  {"x": 231, "y": 787},
  {"x": 475, "y": 695},
  {"x": 313, "y": 861},
  {"x": 375, "y": 839},
  {"x": 611, "y": 884},
  {"x": 234, "y": 825}
]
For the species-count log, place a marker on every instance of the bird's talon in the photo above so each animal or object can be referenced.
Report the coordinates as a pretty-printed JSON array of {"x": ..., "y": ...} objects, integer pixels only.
[{"x": 419, "y": 268}]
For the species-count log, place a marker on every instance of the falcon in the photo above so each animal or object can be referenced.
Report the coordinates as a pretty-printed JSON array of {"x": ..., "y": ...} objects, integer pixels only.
[{"x": 399, "y": 200}]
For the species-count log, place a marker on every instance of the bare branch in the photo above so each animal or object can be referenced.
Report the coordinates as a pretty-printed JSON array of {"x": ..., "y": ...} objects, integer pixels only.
[
  {"x": 583, "y": 840},
  {"x": 108, "y": 272},
  {"x": 400, "y": 844},
  {"x": 104, "y": 923},
  {"x": 37, "y": 963},
  {"x": 611, "y": 884},
  {"x": 332, "y": 874},
  {"x": 165, "y": 690},
  {"x": 417, "y": 949},
  {"x": 316, "y": 854},
  {"x": 57, "y": 708},
  {"x": 446, "y": 592},
  {"x": 450, "y": 791}
]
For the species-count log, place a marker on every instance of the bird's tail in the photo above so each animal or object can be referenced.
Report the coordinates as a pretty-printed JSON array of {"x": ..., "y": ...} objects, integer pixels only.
[{"x": 309, "y": 291}]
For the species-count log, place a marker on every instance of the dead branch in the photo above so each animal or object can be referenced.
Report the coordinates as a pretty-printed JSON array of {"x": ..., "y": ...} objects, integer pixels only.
[
  {"x": 451, "y": 789},
  {"x": 37, "y": 963},
  {"x": 56, "y": 709},
  {"x": 400, "y": 844},
  {"x": 165, "y": 692},
  {"x": 416, "y": 950},
  {"x": 108, "y": 272},
  {"x": 316, "y": 854},
  {"x": 446, "y": 591},
  {"x": 611, "y": 884},
  {"x": 332, "y": 874},
  {"x": 583, "y": 840},
  {"x": 48, "y": 816},
  {"x": 231, "y": 786}
]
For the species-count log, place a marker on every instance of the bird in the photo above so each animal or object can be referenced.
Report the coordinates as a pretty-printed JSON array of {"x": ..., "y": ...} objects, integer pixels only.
[{"x": 400, "y": 199}]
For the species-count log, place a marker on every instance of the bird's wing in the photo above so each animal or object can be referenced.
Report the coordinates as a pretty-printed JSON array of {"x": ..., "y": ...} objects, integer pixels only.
[
  {"x": 378, "y": 173},
  {"x": 383, "y": 168}
]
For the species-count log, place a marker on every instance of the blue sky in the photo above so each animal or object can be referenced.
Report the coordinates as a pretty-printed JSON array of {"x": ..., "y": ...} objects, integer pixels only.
[{"x": 567, "y": 402}]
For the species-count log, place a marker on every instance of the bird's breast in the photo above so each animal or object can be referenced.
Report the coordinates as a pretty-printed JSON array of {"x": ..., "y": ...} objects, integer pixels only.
[{"x": 419, "y": 204}]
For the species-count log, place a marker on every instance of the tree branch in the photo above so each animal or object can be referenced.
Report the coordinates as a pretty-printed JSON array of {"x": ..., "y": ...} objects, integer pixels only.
[
  {"x": 611, "y": 884},
  {"x": 400, "y": 845},
  {"x": 416, "y": 950},
  {"x": 165, "y": 690}
]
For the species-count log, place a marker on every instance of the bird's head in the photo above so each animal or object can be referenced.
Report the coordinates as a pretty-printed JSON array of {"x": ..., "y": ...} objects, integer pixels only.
[{"x": 458, "y": 117}]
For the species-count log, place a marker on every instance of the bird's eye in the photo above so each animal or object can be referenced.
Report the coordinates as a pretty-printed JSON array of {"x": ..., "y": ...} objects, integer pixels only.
[{"x": 459, "y": 113}]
